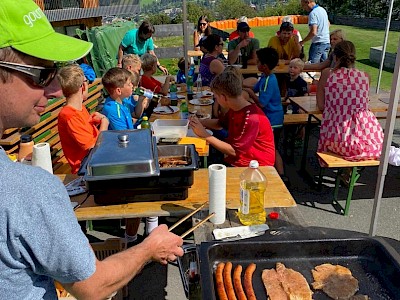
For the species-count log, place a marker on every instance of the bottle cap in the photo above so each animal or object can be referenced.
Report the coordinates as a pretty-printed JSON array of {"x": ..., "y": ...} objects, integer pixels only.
[
  {"x": 145, "y": 118},
  {"x": 26, "y": 138},
  {"x": 273, "y": 215},
  {"x": 253, "y": 164}
]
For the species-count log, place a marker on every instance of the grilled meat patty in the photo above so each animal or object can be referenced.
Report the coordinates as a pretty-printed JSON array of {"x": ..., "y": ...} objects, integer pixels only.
[{"x": 335, "y": 280}]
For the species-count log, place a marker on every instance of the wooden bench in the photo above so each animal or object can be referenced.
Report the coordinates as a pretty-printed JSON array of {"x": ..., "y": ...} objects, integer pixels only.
[
  {"x": 331, "y": 160},
  {"x": 47, "y": 130},
  {"x": 299, "y": 119}
]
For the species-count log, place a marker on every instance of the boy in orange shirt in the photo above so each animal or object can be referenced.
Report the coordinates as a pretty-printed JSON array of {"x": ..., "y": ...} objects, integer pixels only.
[{"x": 78, "y": 129}]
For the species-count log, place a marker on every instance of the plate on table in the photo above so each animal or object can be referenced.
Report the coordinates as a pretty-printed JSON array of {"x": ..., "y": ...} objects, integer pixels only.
[
  {"x": 201, "y": 101},
  {"x": 164, "y": 110},
  {"x": 179, "y": 96},
  {"x": 190, "y": 133}
]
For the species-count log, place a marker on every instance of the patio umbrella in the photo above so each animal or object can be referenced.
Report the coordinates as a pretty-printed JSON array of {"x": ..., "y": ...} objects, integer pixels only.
[{"x": 390, "y": 122}]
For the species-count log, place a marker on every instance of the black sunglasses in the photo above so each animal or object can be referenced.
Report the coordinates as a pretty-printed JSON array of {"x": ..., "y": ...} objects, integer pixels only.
[
  {"x": 40, "y": 76},
  {"x": 203, "y": 24}
]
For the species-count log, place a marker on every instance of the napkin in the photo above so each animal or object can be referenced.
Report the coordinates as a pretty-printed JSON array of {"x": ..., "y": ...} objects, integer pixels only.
[{"x": 199, "y": 143}]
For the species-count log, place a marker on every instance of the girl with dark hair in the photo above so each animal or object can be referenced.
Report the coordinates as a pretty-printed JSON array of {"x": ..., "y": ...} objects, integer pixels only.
[
  {"x": 348, "y": 127},
  {"x": 202, "y": 30},
  {"x": 210, "y": 65}
]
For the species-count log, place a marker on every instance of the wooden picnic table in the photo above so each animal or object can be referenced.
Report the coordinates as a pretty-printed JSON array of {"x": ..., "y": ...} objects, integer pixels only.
[{"x": 277, "y": 196}]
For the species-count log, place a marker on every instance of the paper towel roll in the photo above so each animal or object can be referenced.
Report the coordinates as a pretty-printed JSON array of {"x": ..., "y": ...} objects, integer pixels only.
[
  {"x": 217, "y": 192},
  {"x": 41, "y": 157}
]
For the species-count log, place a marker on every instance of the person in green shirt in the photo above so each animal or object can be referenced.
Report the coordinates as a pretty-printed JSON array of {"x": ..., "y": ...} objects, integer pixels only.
[
  {"x": 139, "y": 41},
  {"x": 243, "y": 46}
]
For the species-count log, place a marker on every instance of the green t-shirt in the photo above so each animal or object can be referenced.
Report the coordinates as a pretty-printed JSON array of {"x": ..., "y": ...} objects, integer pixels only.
[
  {"x": 134, "y": 45},
  {"x": 246, "y": 51}
]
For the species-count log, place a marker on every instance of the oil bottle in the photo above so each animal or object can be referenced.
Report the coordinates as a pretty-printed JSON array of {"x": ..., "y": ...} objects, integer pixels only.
[{"x": 253, "y": 184}]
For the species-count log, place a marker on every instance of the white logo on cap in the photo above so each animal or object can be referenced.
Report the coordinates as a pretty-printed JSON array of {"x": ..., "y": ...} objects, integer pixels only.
[{"x": 32, "y": 16}]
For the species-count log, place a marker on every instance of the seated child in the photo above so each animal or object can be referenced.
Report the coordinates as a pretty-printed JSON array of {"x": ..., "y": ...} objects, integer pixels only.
[
  {"x": 120, "y": 105},
  {"x": 147, "y": 81},
  {"x": 250, "y": 134},
  {"x": 77, "y": 129},
  {"x": 269, "y": 98},
  {"x": 180, "y": 77},
  {"x": 296, "y": 86},
  {"x": 132, "y": 63},
  {"x": 118, "y": 108}
]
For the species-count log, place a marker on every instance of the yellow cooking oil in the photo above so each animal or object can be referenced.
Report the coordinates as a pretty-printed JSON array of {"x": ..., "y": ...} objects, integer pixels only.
[{"x": 253, "y": 184}]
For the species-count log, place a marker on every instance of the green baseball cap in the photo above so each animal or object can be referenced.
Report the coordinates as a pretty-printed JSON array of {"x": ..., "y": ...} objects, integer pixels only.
[{"x": 25, "y": 27}]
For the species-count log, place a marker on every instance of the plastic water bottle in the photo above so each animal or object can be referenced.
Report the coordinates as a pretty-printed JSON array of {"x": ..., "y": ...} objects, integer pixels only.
[
  {"x": 184, "y": 110},
  {"x": 199, "y": 87},
  {"x": 253, "y": 184}
]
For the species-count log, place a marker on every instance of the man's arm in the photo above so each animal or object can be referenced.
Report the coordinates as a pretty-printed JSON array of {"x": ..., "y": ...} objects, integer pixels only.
[
  {"x": 252, "y": 59},
  {"x": 120, "y": 55},
  {"x": 310, "y": 35},
  {"x": 117, "y": 270}
]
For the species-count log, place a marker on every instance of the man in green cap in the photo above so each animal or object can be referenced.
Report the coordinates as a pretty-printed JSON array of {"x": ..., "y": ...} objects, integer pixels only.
[{"x": 40, "y": 239}]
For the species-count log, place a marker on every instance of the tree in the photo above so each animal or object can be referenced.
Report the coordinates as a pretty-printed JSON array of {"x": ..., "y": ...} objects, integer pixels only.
[
  {"x": 231, "y": 9},
  {"x": 194, "y": 11},
  {"x": 158, "y": 19}
]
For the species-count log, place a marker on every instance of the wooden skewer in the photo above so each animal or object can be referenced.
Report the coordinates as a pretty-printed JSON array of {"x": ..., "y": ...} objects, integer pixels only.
[
  {"x": 197, "y": 225},
  {"x": 186, "y": 217}
]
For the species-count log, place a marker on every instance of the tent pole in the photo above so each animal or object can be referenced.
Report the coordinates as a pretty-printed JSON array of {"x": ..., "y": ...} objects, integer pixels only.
[
  {"x": 387, "y": 141},
  {"x": 185, "y": 36},
  {"x": 389, "y": 18}
]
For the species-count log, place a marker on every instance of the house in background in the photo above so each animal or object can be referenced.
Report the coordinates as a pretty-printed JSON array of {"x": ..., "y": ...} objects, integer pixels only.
[{"x": 67, "y": 15}]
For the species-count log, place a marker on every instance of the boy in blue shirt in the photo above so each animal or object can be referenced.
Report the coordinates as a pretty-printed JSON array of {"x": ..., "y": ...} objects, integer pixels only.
[
  {"x": 121, "y": 105},
  {"x": 180, "y": 76},
  {"x": 269, "y": 98}
]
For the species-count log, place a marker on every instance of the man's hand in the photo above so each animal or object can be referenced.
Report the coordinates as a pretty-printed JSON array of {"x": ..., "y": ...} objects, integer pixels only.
[
  {"x": 163, "y": 69},
  {"x": 164, "y": 245},
  {"x": 197, "y": 127},
  {"x": 244, "y": 43}
]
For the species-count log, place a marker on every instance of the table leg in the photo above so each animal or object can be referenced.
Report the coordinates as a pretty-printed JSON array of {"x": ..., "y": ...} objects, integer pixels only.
[{"x": 305, "y": 146}]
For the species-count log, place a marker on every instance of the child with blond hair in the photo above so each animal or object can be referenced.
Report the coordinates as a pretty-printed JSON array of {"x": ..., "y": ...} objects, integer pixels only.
[
  {"x": 78, "y": 129},
  {"x": 296, "y": 86},
  {"x": 132, "y": 63}
]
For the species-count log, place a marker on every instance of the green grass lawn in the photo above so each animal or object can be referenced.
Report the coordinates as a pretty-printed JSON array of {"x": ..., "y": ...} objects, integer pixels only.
[{"x": 363, "y": 39}]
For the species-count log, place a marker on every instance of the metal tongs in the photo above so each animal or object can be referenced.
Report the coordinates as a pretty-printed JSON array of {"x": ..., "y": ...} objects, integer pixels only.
[{"x": 188, "y": 216}]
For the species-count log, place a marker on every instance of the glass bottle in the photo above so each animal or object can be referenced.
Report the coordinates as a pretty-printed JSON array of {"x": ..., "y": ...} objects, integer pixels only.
[
  {"x": 173, "y": 93},
  {"x": 184, "y": 110},
  {"x": 147, "y": 93},
  {"x": 199, "y": 87},
  {"x": 145, "y": 123},
  {"x": 25, "y": 147},
  {"x": 189, "y": 85},
  {"x": 253, "y": 184}
]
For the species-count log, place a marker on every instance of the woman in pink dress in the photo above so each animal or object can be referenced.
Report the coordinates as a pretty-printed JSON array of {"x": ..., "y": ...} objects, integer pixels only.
[{"x": 348, "y": 127}]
